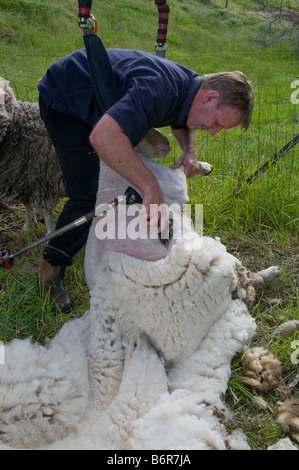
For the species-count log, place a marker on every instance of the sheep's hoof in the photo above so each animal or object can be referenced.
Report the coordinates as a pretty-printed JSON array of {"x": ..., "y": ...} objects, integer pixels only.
[
  {"x": 266, "y": 275},
  {"x": 204, "y": 168}
]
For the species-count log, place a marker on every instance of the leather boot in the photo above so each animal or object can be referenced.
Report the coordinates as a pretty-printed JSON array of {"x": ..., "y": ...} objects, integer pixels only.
[{"x": 51, "y": 279}]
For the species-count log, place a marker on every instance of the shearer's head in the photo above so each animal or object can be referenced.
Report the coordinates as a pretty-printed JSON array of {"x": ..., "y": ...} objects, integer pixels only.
[{"x": 224, "y": 100}]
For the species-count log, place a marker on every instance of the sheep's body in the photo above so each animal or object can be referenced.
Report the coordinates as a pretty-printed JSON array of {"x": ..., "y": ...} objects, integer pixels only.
[
  {"x": 29, "y": 168},
  {"x": 111, "y": 185},
  {"x": 146, "y": 366}
]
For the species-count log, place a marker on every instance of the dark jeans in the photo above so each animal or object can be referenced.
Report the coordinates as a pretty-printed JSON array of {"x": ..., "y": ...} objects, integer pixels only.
[{"x": 80, "y": 167}]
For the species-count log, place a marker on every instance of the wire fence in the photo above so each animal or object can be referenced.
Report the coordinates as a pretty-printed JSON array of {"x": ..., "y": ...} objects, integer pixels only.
[
  {"x": 236, "y": 154},
  {"x": 232, "y": 152}
]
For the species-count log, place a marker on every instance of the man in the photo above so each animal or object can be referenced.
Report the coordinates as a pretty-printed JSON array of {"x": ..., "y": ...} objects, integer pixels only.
[{"x": 153, "y": 92}]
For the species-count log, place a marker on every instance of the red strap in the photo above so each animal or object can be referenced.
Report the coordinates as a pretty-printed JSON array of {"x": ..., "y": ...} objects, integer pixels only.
[
  {"x": 95, "y": 24},
  {"x": 5, "y": 262},
  {"x": 163, "y": 9},
  {"x": 84, "y": 8},
  {"x": 84, "y": 12}
]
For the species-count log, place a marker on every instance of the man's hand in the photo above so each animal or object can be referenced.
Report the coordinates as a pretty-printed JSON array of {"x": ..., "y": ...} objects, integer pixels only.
[
  {"x": 189, "y": 163},
  {"x": 192, "y": 166},
  {"x": 186, "y": 139},
  {"x": 154, "y": 209}
]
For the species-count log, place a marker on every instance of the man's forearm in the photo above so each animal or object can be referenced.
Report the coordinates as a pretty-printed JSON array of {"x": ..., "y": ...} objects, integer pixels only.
[
  {"x": 115, "y": 149},
  {"x": 186, "y": 139}
]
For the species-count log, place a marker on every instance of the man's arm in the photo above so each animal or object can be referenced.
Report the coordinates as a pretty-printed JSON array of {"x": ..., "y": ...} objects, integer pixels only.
[
  {"x": 115, "y": 149},
  {"x": 186, "y": 139}
]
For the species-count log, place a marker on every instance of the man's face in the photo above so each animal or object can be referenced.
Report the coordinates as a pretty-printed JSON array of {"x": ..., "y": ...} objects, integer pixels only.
[{"x": 206, "y": 115}]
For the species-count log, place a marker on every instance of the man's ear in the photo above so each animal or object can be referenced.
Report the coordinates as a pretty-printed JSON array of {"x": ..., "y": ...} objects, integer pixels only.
[{"x": 212, "y": 96}]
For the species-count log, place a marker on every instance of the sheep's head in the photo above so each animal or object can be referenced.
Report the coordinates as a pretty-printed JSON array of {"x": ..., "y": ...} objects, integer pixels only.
[
  {"x": 8, "y": 104},
  {"x": 154, "y": 145},
  {"x": 3, "y": 95}
]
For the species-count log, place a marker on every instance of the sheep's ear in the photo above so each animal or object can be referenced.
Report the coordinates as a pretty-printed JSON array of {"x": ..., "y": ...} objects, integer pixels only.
[{"x": 4, "y": 95}]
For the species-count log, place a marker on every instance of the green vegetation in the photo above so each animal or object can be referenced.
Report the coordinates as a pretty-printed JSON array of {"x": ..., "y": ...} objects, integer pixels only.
[{"x": 258, "y": 222}]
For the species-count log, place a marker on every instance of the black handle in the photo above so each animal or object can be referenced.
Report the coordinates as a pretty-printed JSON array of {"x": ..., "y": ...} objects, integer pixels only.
[
  {"x": 132, "y": 197},
  {"x": 84, "y": 8}
]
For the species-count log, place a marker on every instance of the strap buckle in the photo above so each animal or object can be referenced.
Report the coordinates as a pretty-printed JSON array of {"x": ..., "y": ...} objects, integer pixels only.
[
  {"x": 160, "y": 52},
  {"x": 90, "y": 28}
]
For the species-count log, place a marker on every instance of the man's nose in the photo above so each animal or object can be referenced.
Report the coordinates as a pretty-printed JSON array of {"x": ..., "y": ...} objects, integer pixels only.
[{"x": 214, "y": 130}]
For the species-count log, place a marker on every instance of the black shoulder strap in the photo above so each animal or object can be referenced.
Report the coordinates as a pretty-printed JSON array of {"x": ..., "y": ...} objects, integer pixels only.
[{"x": 102, "y": 76}]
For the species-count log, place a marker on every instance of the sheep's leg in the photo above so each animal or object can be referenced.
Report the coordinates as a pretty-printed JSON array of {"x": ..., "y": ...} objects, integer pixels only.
[
  {"x": 105, "y": 354},
  {"x": 30, "y": 220},
  {"x": 142, "y": 383},
  {"x": 204, "y": 168},
  {"x": 49, "y": 220},
  {"x": 266, "y": 275},
  {"x": 3, "y": 206}
]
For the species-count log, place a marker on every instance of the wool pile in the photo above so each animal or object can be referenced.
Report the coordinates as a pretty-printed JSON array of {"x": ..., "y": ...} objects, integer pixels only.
[{"x": 146, "y": 367}]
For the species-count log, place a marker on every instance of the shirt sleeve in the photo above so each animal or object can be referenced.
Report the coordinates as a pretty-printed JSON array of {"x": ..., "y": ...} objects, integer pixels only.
[
  {"x": 139, "y": 110},
  {"x": 153, "y": 93}
]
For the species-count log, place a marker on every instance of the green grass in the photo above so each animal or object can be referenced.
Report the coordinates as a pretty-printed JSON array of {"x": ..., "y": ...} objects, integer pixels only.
[
  {"x": 258, "y": 223},
  {"x": 24, "y": 313}
]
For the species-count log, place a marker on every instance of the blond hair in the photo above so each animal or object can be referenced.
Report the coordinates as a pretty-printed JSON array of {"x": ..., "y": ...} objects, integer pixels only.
[{"x": 235, "y": 91}]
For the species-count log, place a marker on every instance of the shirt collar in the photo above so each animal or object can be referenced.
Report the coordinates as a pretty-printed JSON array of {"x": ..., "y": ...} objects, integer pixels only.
[{"x": 195, "y": 86}]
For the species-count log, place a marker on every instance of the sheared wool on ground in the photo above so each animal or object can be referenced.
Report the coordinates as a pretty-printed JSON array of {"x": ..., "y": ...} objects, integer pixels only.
[{"x": 140, "y": 374}]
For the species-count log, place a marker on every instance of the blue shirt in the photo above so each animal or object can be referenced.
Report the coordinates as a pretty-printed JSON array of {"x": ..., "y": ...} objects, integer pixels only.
[{"x": 152, "y": 91}]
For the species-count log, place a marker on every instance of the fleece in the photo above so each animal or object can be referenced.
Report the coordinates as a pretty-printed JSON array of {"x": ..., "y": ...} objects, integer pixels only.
[{"x": 145, "y": 367}]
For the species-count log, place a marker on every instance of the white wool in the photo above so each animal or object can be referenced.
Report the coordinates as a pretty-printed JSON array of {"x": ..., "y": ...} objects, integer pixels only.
[
  {"x": 172, "y": 181},
  {"x": 197, "y": 282},
  {"x": 211, "y": 362},
  {"x": 93, "y": 388},
  {"x": 283, "y": 444},
  {"x": 41, "y": 387},
  {"x": 178, "y": 422}
]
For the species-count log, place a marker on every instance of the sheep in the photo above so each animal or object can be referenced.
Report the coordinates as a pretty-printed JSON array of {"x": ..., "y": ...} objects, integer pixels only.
[
  {"x": 29, "y": 167},
  {"x": 147, "y": 366}
]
